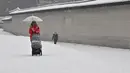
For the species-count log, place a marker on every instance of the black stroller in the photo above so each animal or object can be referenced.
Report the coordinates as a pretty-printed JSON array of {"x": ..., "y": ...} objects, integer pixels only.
[{"x": 36, "y": 45}]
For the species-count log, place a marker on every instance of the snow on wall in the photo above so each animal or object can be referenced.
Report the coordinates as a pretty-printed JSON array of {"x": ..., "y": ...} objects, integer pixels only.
[{"x": 58, "y": 6}]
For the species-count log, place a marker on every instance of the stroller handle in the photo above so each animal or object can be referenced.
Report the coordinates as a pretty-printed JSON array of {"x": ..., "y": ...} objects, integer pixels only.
[{"x": 36, "y": 34}]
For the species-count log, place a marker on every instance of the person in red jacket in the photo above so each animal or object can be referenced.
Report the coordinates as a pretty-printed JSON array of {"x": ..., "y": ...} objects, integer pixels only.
[{"x": 34, "y": 29}]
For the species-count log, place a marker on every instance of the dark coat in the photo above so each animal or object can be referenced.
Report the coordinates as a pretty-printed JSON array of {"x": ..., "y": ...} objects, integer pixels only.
[{"x": 55, "y": 37}]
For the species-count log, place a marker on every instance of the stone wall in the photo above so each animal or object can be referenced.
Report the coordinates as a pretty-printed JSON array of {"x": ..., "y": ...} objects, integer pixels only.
[{"x": 104, "y": 26}]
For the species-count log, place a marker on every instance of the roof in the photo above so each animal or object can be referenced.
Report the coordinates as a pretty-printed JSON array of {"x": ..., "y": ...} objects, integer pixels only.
[
  {"x": 5, "y": 18},
  {"x": 15, "y": 9},
  {"x": 66, "y": 5}
]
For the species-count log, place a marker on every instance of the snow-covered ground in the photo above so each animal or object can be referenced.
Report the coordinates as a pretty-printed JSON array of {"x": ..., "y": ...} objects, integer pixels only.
[
  {"x": 15, "y": 57},
  {"x": 2, "y": 32}
]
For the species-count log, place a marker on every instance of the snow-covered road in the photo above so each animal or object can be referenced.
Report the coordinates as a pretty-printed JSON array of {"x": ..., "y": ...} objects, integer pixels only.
[{"x": 15, "y": 57}]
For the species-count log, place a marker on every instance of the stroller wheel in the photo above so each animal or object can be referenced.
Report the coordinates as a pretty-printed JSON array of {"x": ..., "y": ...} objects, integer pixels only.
[
  {"x": 32, "y": 54},
  {"x": 40, "y": 53}
]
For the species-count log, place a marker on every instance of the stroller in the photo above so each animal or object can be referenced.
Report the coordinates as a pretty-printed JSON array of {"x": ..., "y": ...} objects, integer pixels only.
[{"x": 36, "y": 45}]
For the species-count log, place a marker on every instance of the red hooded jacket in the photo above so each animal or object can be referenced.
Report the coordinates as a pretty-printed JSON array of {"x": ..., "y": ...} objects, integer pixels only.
[{"x": 34, "y": 29}]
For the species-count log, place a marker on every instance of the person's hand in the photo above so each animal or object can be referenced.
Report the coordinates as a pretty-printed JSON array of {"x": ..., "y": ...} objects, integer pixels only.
[{"x": 33, "y": 30}]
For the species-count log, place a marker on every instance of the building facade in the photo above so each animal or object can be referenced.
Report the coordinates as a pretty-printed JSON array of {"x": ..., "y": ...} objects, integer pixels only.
[{"x": 101, "y": 25}]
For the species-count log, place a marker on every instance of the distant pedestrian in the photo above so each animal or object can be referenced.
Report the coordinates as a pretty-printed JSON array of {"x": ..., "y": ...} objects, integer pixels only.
[{"x": 55, "y": 37}]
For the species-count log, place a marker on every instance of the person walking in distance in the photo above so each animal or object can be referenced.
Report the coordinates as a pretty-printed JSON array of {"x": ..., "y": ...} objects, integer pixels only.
[{"x": 55, "y": 37}]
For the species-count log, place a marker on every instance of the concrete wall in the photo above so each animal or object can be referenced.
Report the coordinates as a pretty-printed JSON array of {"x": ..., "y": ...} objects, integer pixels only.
[{"x": 104, "y": 26}]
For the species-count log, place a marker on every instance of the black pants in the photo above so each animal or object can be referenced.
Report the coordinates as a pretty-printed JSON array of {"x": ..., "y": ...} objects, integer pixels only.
[{"x": 55, "y": 41}]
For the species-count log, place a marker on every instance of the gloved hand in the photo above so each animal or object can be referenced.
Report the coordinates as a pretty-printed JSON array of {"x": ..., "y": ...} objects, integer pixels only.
[{"x": 33, "y": 30}]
